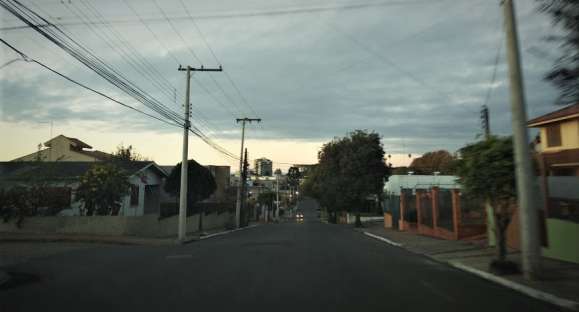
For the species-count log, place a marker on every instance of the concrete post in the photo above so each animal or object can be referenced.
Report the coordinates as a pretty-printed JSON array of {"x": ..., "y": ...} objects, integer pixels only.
[
  {"x": 456, "y": 212},
  {"x": 434, "y": 197}
]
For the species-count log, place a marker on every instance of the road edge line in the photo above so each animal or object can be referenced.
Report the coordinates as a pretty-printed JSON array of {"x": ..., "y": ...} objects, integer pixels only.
[
  {"x": 529, "y": 291},
  {"x": 227, "y": 232},
  {"x": 380, "y": 238}
]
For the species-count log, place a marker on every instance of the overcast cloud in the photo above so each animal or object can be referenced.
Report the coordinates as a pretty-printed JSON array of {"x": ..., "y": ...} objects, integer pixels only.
[{"x": 416, "y": 72}]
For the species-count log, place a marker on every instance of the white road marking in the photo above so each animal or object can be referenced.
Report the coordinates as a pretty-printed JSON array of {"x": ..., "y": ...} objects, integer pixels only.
[{"x": 383, "y": 239}]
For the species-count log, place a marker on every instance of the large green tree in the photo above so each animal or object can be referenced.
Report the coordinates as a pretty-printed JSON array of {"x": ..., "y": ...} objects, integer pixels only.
[
  {"x": 431, "y": 162},
  {"x": 102, "y": 188},
  {"x": 486, "y": 171},
  {"x": 565, "y": 72},
  {"x": 200, "y": 185},
  {"x": 350, "y": 170}
]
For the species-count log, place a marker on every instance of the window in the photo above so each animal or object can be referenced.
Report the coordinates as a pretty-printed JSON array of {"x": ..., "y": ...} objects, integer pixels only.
[
  {"x": 554, "y": 135},
  {"x": 134, "y": 195}
]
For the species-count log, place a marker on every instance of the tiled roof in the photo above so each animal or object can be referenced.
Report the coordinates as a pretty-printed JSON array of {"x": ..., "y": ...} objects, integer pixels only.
[
  {"x": 570, "y": 111},
  {"x": 78, "y": 143},
  {"x": 26, "y": 170}
]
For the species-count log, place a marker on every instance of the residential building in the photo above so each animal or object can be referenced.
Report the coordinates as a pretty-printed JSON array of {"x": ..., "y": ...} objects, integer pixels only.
[
  {"x": 558, "y": 141},
  {"x": 145, "y": 177},
  {"x": 263, "y": 167},
  {"x": 63, "y": 148}
]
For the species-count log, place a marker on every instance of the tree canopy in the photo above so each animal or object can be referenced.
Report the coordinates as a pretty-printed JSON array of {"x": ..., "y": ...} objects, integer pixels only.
[
  {"x": 565, "y": 72},
  {"x": 350, "y": 169},
  {"x": 102, "y": 188},
  {"x": 438, "y": 161},
  {"x": 127, "y": 154},
  {"x": 200, "y": 183},
  {"x": 486, "y": 169}
]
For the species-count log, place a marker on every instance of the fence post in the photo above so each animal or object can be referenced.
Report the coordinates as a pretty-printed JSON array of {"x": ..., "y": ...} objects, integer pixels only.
[
  {"x": 418, "y": 210},
  {"x": 401, "y": 225},
  {"x": 456, "y": 212},
  {"x": 434, "y": 197}
]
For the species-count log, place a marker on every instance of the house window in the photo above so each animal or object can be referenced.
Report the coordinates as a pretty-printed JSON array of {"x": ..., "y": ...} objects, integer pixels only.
[
  {"x": 554, "y": 135},
  {"x": 134, "y": 195}
]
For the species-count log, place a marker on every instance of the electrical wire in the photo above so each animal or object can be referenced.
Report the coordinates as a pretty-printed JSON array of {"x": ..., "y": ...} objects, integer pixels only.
[{"x": 25, "y": 57}]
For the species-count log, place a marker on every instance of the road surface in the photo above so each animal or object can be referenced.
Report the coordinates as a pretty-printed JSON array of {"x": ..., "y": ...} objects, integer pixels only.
[{"x": 306, "y": 266}]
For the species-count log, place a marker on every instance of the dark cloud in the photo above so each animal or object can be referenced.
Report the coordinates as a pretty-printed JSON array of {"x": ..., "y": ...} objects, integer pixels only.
[{"x": 418, "y": 77}]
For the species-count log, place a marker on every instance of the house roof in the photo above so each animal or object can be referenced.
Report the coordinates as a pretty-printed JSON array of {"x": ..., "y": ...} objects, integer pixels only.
[
  {"x": 73, "y": 141},
  {"x": 25, "y": 170},
  {"x": 569, "y": 112},
  {"x": 96, "y": 154}
]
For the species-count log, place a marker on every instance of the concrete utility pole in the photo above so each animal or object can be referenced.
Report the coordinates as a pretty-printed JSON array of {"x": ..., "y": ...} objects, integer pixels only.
[
  {"x": 182, "y": 226},
  {"x": 277, "y": 196},
  {"x": 491, "y": 226},
  {"x": 238, "y": 203},
  {"x": 528, "y": 208}
]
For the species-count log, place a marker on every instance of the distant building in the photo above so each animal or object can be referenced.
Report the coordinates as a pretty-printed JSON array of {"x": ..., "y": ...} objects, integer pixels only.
[
  {"x": 62, "y": 148},
  {"x": 263, "y": 167}
]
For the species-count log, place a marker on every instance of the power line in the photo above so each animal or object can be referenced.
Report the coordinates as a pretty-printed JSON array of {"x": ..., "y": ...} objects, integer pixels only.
[
  {"x": 274, "y": 12},
  {"x": 28, "y": 59},
  {"x": 241, "y": 96}
]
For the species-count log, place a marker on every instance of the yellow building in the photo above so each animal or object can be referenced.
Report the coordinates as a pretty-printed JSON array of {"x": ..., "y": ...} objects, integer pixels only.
[
  {"x": 559, "y": 141},
  {"x": 62, "y": 148}
]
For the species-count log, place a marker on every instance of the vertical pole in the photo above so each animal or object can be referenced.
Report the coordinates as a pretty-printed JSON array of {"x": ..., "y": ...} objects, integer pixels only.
[
  {"x": 529, "y": 222},
  {"x": 490, "y": 212},
  {"x": 184, "y": 167},
  {"x": 277, "y": 196},
  {"x": 238, "y": 203}
]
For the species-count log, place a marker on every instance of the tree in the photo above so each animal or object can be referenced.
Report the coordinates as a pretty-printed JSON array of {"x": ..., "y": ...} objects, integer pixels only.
[
  {"x": 200, "y": 185},
  {"x": 350, "y": 170},
  {"x": 266, "y": 199},
  {"x": 102, "y": 188},
  {"x": 127, "y": 154},
  {"x": 565, "y": 72},
  {"x": 486, "y": 170},
  {"x": 431, "y": 162}
]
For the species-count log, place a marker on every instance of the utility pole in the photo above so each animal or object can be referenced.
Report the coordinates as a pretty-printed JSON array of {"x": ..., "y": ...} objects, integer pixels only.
[
  {"x": 491, "y": 226},
  {"x": 238, "y": 203},
  {"x": 528, "y": 212},
  {"x": 484, "y": 117},
  {"x": 182, "y": 226},
  {"x": 277, "y": 196}
]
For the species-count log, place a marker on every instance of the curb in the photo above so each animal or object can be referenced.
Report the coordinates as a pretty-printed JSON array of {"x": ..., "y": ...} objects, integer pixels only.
[
  {"x": 383, "y": 239},
  {"x": 526, "y": 290},
  {"x": 531, "y": 292}
]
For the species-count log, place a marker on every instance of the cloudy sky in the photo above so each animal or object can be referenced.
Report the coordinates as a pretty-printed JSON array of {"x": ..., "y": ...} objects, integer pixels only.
[{"x": 415, "y": 71}]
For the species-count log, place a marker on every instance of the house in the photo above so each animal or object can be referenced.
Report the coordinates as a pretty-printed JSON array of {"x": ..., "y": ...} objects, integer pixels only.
[
  {"x": 559, "y": 141},
  {"x": 62, "y": 148},
  {"x": 145, "y": 178}
]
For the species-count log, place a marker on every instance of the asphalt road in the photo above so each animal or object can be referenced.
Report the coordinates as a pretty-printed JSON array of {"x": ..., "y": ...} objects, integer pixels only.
[{"x": 306, "y": 266}]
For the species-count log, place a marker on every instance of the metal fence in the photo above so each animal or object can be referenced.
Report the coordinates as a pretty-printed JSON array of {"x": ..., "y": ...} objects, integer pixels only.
[
  {"x": 425, "y": 208},
  {"x": 410, "y": 206},
  {"x": 472, "y": 210},
  {"x": 445, "y": 209},
  {"x": 392, "y": 206}
]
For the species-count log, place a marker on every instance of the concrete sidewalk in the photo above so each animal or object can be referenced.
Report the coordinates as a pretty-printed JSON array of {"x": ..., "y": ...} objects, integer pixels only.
[{"x": 559, "y": 285}]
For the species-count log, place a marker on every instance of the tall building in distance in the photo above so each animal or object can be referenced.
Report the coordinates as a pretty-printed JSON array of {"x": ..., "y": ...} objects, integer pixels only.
[{"x": 263, "y": 167}]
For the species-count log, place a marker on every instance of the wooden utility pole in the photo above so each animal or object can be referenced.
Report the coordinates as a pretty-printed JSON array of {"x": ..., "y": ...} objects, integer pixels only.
[
  {"x": 238, "y": 203},
  {"x": 527, "y": 203},
  {"x": 182, "y": 225}
]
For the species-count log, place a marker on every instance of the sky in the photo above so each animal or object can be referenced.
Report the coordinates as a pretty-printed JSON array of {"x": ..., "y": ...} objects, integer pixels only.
[{"x": 414, "y": 71}]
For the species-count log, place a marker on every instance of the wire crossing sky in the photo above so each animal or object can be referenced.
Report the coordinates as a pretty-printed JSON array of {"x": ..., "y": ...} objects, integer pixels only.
[{"x": 417, "y": 72}]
